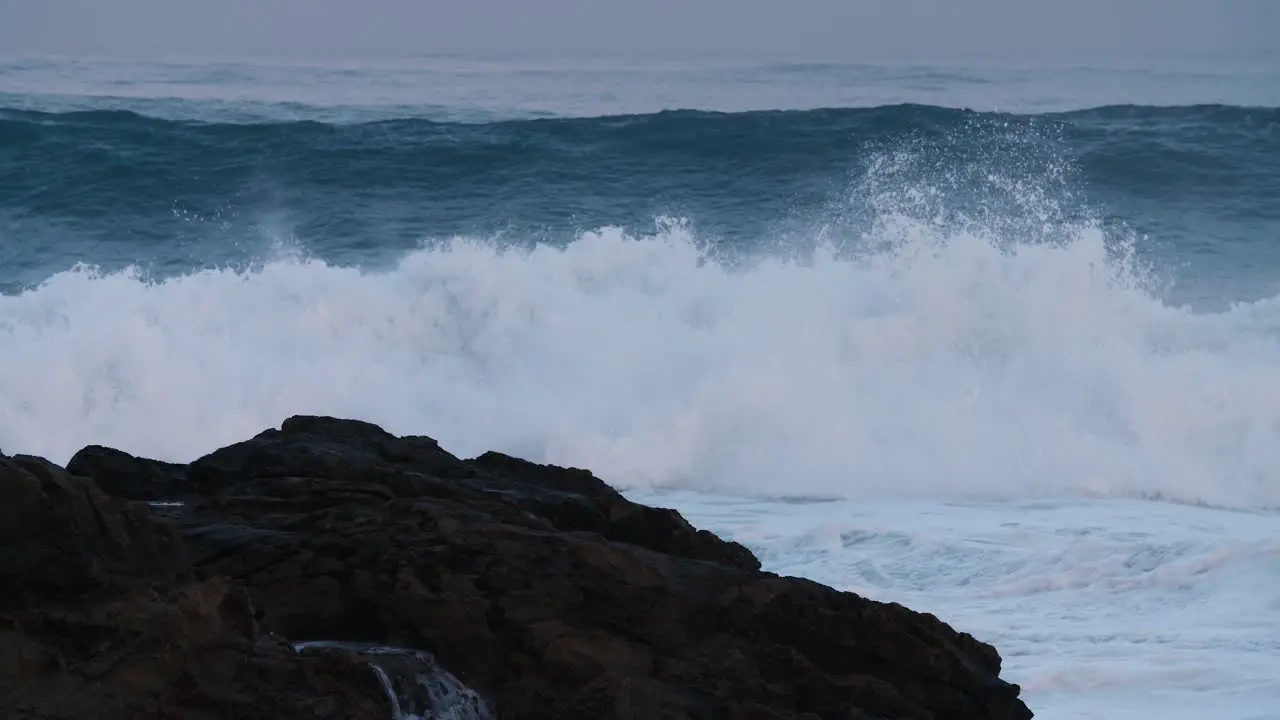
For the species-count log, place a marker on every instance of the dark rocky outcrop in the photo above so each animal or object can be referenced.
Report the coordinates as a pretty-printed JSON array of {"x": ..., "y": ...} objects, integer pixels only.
[
  {"x": 123, "y": 475},
  {"x": 540, "y": 587},
  {"x": 61, "y": 537},
  {"x": 101, "y": 618}
]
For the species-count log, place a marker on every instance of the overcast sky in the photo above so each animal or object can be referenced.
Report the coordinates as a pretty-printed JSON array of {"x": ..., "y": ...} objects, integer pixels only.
[{"x": 1078, "y": 31}]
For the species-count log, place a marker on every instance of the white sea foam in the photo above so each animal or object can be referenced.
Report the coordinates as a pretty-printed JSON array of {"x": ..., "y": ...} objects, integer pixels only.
[
  {"x": 943, "y": 365},
  {"x": 1102, "y": 608},
  {"x": 989, "y": 408}
]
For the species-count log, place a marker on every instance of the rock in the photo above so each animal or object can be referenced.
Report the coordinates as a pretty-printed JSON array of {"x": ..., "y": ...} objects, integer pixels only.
[
  {"x": 123, "y": 475},
  {"x": 539, "y": 587},
  {"x": 195, "y": 653},
  {"x": 414, "y": 683},
  {"x": 98, "y": 620},
  {"x": 587, "y": 503},
  {"x": 61, "y": 536}
]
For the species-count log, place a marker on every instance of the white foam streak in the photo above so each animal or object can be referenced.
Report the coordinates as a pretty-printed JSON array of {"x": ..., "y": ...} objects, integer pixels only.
[{"x": 947, "y": 366}]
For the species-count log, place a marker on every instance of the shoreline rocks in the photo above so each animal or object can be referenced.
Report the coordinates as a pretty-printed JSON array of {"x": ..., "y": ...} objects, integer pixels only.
[{"x": 540, "y": 588}]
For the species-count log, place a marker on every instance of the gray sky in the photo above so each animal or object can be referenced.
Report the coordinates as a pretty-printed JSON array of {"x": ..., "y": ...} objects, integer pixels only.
[{"x": 1078, "y": 31}]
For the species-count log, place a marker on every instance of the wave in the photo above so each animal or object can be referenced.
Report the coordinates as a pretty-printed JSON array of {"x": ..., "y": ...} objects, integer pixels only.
[
  {"x": 132, "y": 156},
  {"x": 1204, "y": 112},
  {"x": 945, "y": 363},
  {"x": 124, "y": 188},
  {"x": 978, "y": 328}
]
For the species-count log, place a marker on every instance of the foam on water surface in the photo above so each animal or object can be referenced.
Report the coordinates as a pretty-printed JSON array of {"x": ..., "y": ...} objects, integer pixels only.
[
  {"x": 949, "y": 366},
  {"x": 1100, "y": 608}
]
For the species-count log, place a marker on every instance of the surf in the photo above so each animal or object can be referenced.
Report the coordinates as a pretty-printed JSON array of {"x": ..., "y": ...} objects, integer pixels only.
[{"x": 940, "y": 365}]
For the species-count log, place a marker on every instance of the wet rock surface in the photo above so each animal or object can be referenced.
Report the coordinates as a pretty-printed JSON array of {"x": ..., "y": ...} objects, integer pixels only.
[
  {"x": 540, "y": 588},
  {"x": 415, "y": 684}
]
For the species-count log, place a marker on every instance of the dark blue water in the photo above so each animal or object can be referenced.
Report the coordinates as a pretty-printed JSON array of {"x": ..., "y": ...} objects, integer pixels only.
[{"x": 115, "y": 188}]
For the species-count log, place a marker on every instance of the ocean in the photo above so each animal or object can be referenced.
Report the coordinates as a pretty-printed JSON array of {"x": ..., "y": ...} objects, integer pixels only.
[{"x": 999, "y": 343}]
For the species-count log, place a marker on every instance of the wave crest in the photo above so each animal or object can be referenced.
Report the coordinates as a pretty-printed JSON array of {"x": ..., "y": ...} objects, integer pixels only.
[{"x": 943, "y": 364}]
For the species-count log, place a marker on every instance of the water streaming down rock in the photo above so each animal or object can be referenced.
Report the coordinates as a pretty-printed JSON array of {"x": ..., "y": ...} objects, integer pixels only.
[{"x": 416, "y": 686}]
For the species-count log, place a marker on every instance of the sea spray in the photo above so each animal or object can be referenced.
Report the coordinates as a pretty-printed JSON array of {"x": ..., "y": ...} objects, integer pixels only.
[{"x": 948, "y": 366}]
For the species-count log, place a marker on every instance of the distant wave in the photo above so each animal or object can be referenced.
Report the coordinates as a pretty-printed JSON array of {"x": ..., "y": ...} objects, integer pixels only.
[
  {"x": 1208, "y": 111},
  {"x": 115, "y": 173}
]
